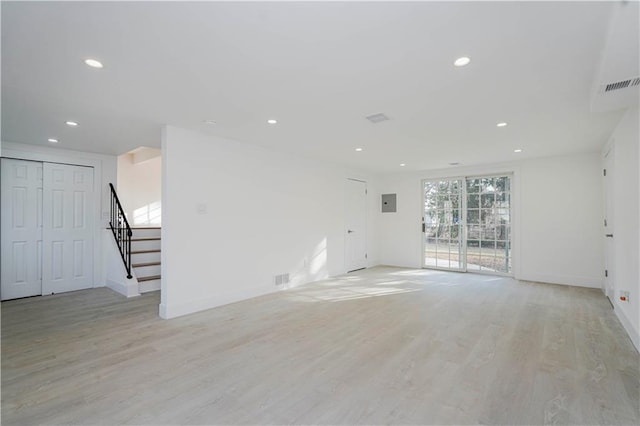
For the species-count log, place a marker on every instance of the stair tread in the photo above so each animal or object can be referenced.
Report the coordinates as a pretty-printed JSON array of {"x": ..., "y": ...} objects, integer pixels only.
[
  {"x": 145, "y": 251},
  {"x": 149, "y": 278},
  {"x": 145, "y": 239},
  {"x": 147, "y": 227},
  {"x": 139, "y": 265}
]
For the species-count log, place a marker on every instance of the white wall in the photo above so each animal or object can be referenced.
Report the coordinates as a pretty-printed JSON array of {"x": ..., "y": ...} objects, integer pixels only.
[
  {"x": 139, "y": 190},
  {"x": 561, "y": 213},
  {"x": 235, "y": 215},
  {"x": 626, "y": 213},
  {"x": 557, "y": 214},
  {"x": 104, "y": 173}
]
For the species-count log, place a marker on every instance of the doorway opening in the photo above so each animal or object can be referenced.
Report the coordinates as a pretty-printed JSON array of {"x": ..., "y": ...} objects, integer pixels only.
[{"x": 467, "y": 224}]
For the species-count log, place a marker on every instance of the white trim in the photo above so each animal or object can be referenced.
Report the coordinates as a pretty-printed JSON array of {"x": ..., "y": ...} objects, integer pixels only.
[
  {"x": 633, "y": 335},
  {"x": 571, "y": 280},
  {"x": 197, "y": 305}
]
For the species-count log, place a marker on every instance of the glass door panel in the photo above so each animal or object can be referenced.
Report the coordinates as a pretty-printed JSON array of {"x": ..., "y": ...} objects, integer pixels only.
[
  {"x": 488, "y": 226},
  {"x": 467, "y": 224},
  {"x": 443, "y": 224}
]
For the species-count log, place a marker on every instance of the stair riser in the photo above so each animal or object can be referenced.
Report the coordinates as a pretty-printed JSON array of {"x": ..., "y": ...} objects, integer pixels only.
[
  {"x": 145, "y": 271},
  {"x": 145, "y": 245},
  {"x": 147, "y": 286},
  {"x": 146, "y": 232},
  {"x": 145, "y": 257}
]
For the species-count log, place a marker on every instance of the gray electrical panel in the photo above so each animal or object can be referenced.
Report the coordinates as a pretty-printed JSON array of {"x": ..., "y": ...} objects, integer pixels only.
[{"x": 388, "y": 203}]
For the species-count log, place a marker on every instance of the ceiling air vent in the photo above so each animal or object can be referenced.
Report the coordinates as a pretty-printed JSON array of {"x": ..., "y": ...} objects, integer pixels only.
[
  {"x": 632, "y": 82},
  {"x": 377, "y": 118}
]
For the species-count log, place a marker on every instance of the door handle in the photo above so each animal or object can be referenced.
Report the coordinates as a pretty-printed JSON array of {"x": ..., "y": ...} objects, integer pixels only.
[
  {"x": 609, "y": 235},
  {"x": 349, "y": 231}
]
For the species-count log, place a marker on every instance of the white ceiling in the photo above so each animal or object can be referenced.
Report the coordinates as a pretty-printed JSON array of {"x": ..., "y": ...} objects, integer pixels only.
[{"x": 319, "y": 68}]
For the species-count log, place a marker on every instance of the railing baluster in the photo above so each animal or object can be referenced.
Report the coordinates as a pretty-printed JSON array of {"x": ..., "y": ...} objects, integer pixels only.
[{"x": 121, "y": 230}]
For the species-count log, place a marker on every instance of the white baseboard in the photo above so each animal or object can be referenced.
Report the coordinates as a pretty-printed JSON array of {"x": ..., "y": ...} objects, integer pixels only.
[
  {"x": 197, "y": 305},
  {"x": 633, "y": 334},
  {"x": 130, "y": 289},
  {"x": 588, "y": 282}
]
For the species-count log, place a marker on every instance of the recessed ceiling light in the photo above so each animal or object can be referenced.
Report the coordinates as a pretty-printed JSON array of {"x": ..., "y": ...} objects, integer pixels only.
[
  {"x": 402, "y": 164},
  {"x": 517, "y": 150},
  {"x": 358, "y": 149},
  {"x": 71, "y": 123},
  {"x": 501, "y": 124},
  {"x": 212, "y": 122},
  {"x": 272, "y": 121},
  {"x": 52, "y": 140},
  {"x": 461, "y": 62},
  {"x": 93, "y": 63}
]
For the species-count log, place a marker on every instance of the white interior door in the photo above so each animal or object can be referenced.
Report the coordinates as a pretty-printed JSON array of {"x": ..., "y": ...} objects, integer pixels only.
[
  {"x": 608, "y": 224},
  {"x": 21, "y": 228},
  {"x": 356, "y": 225},
  {"x": 68, "y": 228}
]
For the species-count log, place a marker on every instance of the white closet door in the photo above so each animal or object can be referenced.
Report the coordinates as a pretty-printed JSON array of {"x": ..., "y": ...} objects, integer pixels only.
[
  {"x": 356, "y": 225},
  {"x": 21, "y": 228},
  {"x": 68, "y": 228}
]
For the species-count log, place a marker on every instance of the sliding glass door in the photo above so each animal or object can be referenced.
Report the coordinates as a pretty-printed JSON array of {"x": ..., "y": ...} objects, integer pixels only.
[
  {"x": 443, "y": 224},
  {"x": 467, "y": 224}
]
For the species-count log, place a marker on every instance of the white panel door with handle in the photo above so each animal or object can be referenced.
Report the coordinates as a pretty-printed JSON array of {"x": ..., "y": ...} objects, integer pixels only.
[
  {"x": 609, "y": 246},
  {"x": 68, "y": 228},
  {"x": 21, "y": 227},
  {"x": 356, "y": 225}
]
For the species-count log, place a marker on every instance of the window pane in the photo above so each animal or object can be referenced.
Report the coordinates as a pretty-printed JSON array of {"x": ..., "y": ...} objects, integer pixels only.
[
  {"x": 487, "y": 185},
  {"x": 473, "y": 186},
  {"x": 487, "y": 216},
  {"x": 503, "y": 183},
  {"x": 501, "y": 232},
  {"x": 487, "y": 200},
  {"x": 473, "y": 201},
  {"x": 473, "y": 216},
  {"x": 473, "y": 232},
  {"x": 503, "y": 213},
  {"x": 488, "y": 247}
]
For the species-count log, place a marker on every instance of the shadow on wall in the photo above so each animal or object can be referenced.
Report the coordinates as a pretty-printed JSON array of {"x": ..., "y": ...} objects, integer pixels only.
[{"x": 151, "y": 214}]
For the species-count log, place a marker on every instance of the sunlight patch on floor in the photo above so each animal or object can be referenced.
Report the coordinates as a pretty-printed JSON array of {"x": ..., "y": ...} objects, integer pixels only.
[{"x": 345, "y": 293}]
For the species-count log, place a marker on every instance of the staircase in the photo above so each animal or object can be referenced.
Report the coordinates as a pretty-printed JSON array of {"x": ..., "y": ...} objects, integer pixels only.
[{"x": 145, "y": 258}]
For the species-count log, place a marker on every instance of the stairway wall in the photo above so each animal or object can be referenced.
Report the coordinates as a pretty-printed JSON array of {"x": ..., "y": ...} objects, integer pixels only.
[{"x": 139, "y": 189}]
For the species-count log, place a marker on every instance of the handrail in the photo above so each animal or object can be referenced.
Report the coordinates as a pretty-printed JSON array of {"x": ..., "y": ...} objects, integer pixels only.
[{"x": 121, "y": 230}]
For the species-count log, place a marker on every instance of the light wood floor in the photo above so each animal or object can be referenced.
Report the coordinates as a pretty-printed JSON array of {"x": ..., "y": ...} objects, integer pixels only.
[{"x": 382, "y": 346}]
